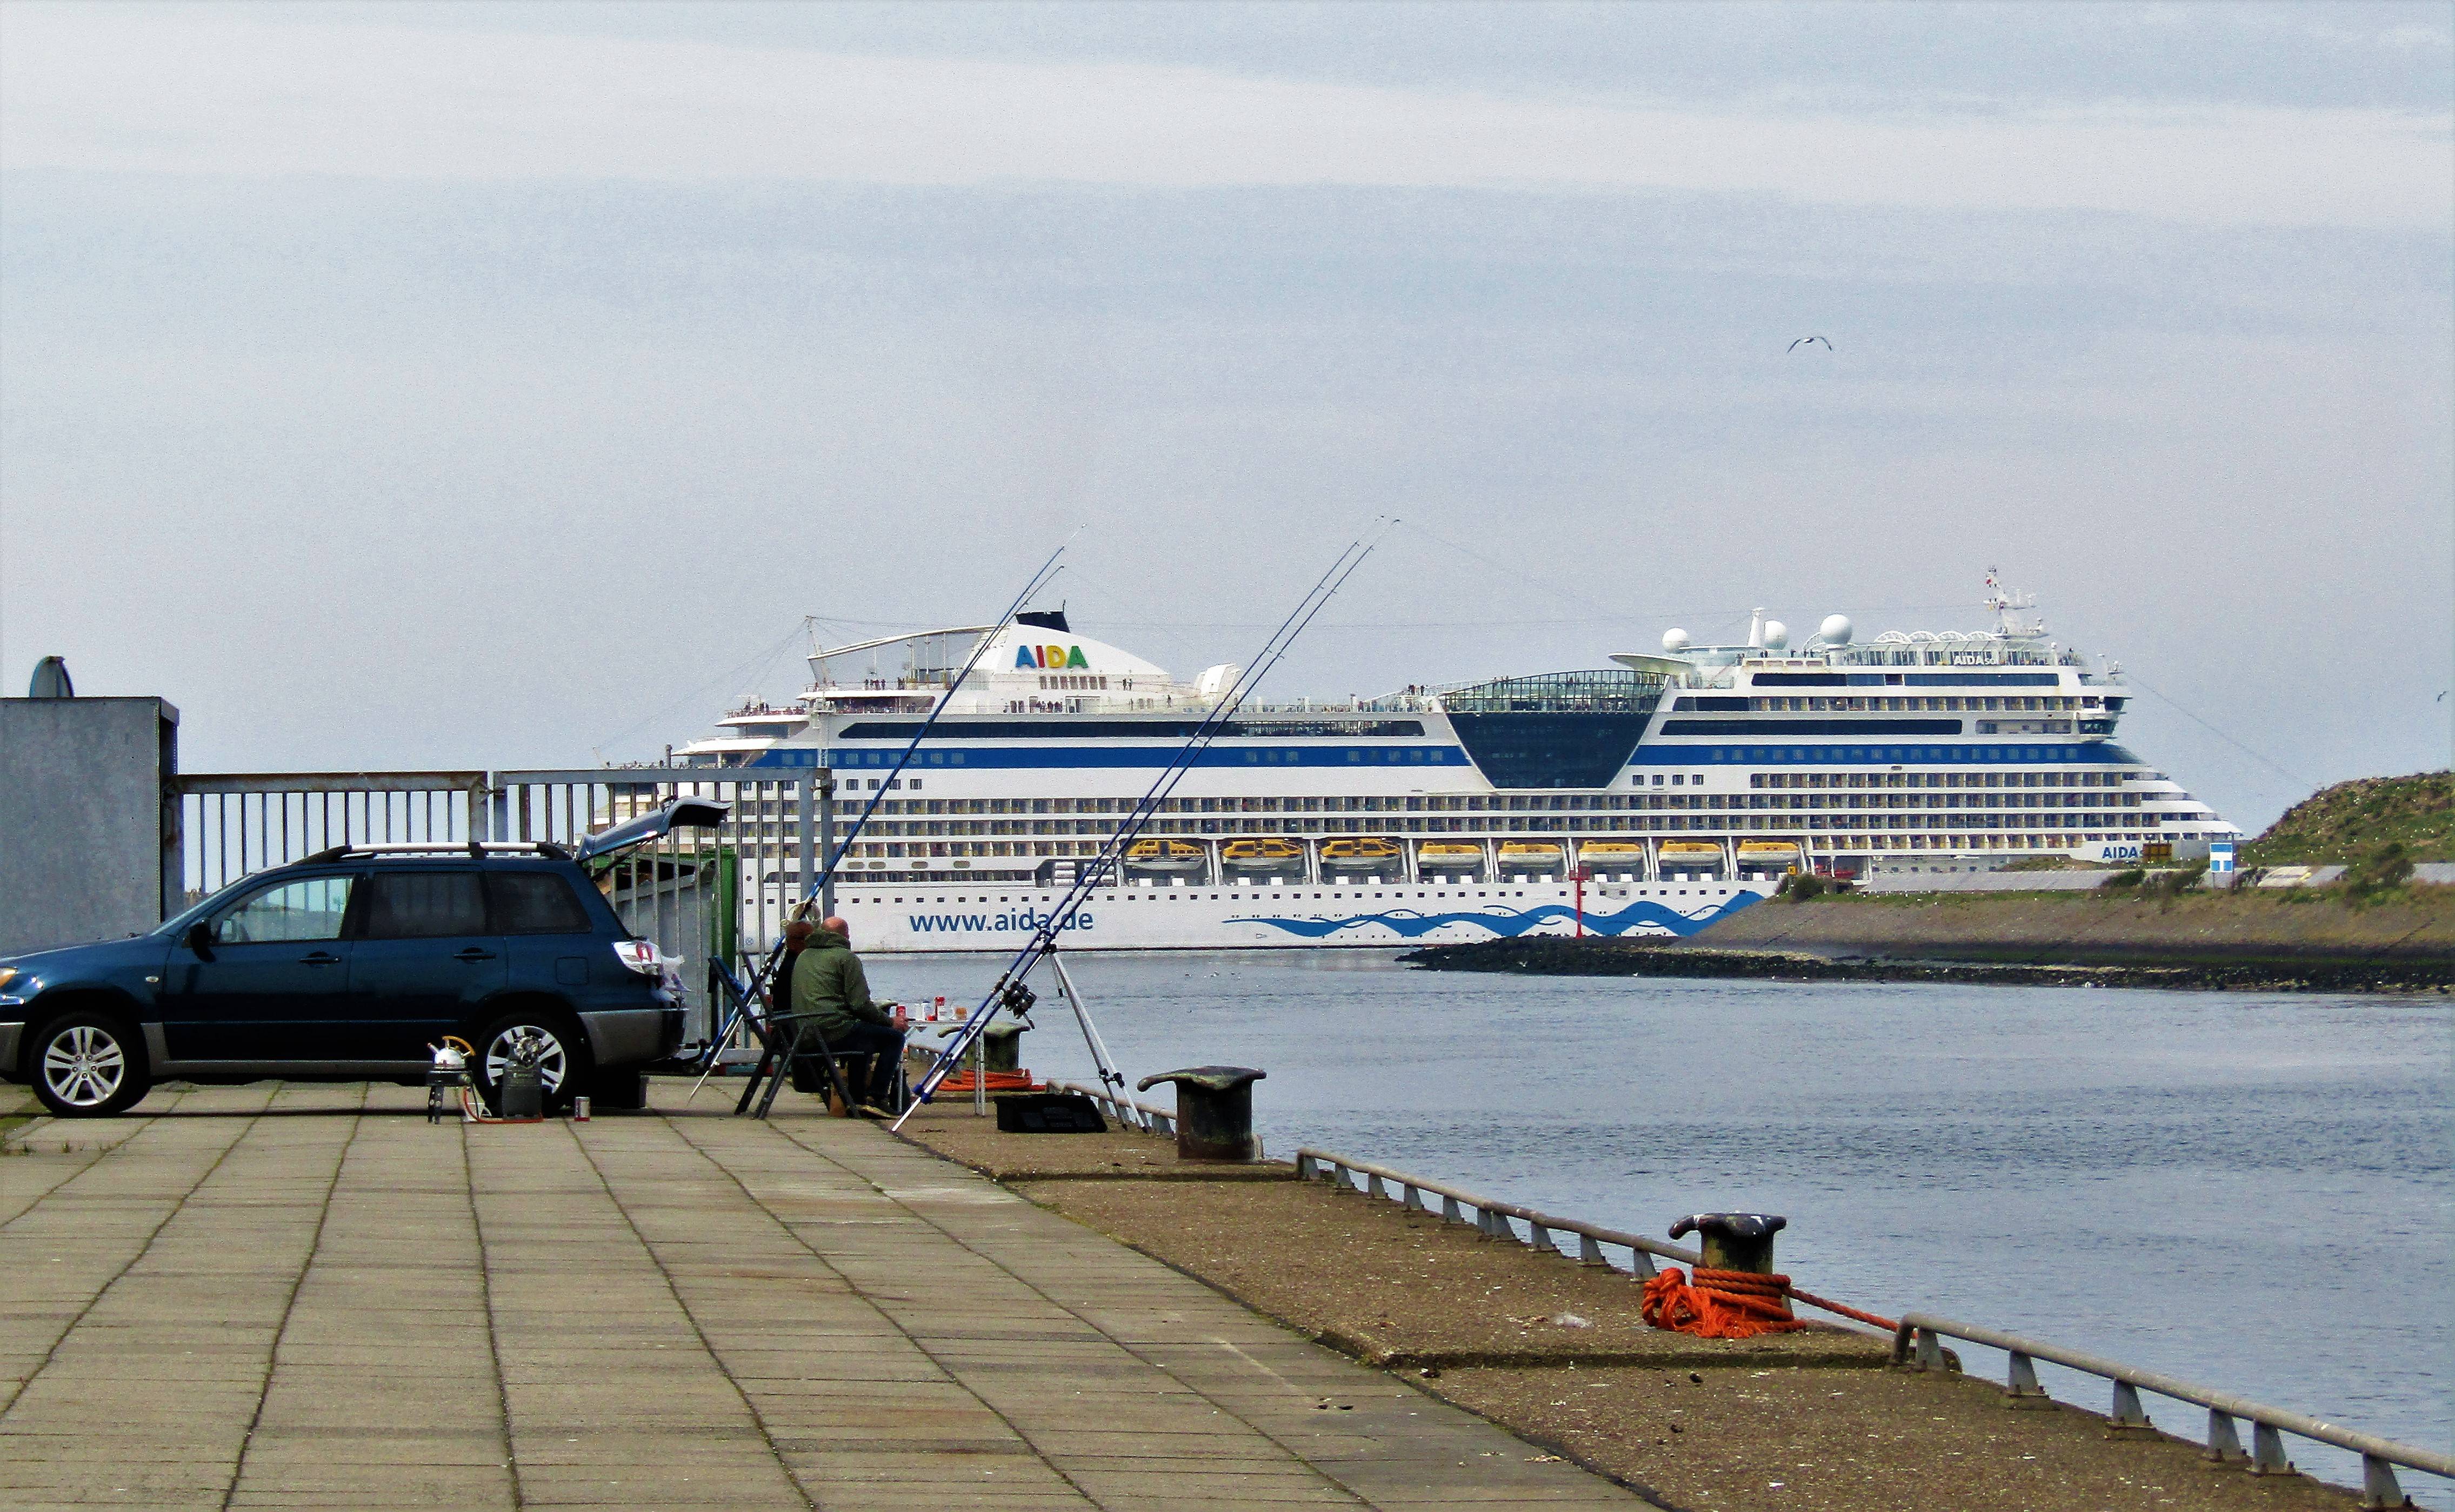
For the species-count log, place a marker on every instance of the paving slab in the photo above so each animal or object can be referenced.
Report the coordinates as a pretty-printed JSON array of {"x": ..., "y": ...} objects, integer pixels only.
[{"x": 284, "y": 1295}]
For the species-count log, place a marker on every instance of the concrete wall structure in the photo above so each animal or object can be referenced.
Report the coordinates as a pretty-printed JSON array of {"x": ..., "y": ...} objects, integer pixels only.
[{"x": 88, "y": 822}]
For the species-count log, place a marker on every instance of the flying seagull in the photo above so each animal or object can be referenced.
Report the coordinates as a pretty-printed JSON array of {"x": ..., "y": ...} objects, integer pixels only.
[{"x": 1804, "y": 340}]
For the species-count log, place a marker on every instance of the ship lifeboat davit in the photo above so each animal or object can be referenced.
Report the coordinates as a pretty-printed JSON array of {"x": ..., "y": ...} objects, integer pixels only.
[
  {"x": 1264, "y": 854},
  {"x": 1362, "y": 853},
  {"x": 1164, "y": 855}
]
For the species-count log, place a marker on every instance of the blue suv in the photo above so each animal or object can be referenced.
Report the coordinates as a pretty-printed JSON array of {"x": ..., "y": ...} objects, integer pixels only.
[{"x": 351, "y": 965}]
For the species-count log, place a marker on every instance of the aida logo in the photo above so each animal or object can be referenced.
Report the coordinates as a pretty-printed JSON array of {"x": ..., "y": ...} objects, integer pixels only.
[{"x": 1048, "y": 658}]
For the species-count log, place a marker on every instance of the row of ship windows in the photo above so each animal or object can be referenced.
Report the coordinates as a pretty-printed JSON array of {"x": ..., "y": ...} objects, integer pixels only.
[
  {"x": 1758, "y": 813},
  {"x": 1807, "y": 803},
  {"x": 1889, "y": 705},
  {"x": 1495, "y": 803},
  {"x": 2098, "y": 826}
]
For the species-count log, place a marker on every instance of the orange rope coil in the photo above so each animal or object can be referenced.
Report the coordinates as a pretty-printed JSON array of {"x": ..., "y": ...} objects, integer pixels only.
[
  {"x": 1733, "y": 1304},
  {"x": 1720, "y": 1305}
]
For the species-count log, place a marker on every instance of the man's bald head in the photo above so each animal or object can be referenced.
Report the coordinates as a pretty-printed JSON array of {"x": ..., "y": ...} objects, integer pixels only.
[{"x": 833, "y": 924}]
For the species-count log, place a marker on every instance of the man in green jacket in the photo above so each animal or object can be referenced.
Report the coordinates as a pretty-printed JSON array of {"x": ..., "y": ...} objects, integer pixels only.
[{"x": 831, "y": 994}]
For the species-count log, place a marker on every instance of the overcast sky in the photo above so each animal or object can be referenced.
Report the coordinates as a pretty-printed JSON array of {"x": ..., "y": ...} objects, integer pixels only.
[{"x": 501, "y": 385}]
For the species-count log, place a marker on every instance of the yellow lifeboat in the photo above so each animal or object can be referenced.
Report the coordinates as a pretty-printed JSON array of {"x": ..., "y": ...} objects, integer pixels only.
[
  {"x": 1264, "y": 854},
  {"x": 1692, "y": 855},
  {"x": 1769, "y": 856},
  {"x": 1528, "y": 856},
  {"x": 1620, "y": 854},
  {"x": 1361, "y": 852},
  {"x": 1448, "y": 856},
  {"x": 1164, "y": 855}
]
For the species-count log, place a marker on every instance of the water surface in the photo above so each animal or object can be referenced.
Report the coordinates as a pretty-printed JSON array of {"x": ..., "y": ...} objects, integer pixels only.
[{"x": 2252, "y": 1191}]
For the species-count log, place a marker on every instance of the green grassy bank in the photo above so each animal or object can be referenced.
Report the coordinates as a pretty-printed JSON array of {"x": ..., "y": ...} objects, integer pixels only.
[
  {"x": 2364, "y": 823},
  {"x": 2412, "y": 922}
]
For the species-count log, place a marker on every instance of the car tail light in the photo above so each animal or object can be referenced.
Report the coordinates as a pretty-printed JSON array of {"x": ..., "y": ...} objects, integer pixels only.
[{"x": 639, "y": 954}]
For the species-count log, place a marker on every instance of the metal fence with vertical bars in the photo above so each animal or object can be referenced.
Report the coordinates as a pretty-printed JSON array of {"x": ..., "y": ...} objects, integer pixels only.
[{"x": 695, "y": 893}]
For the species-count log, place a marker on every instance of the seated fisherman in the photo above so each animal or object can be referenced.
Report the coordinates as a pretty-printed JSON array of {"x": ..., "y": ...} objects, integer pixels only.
[{"x": 831, "y": 992}]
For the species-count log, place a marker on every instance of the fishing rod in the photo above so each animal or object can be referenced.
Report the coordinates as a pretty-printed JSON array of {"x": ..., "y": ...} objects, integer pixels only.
[
  {"x": 1008, "y": 991},
  {"x": 759, "y": 978},
  {"x": 904, "y": 758}
]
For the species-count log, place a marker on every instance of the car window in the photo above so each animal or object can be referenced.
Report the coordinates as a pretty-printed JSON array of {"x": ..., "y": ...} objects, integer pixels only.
[
  {"x": 311, "y": 909},
  {"x": 537, "y": 903},
  {"x": 424, "y": 905}
]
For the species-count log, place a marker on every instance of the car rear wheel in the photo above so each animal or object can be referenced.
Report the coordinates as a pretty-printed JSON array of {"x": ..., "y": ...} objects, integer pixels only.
[
  {"x": 562, "y": 1056},
  {"x": 88, "y": 1065}
]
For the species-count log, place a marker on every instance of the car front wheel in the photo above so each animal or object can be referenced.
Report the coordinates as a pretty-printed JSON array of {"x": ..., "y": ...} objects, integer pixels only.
[
  {"x": 87, "y": 1065},
  {"x": 562, "y": 1056}
]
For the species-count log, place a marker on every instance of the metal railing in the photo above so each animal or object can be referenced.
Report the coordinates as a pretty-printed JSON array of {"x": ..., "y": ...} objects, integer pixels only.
[
  {"x": 1917, "y": 1338},
  {"x": 233, "y": 823},
  {"x": 1492, "y": 1215},
  {"x": 1917, "y": 1342},
  {"x": 719, "y": 892},
  {"x": 1142, "y": 1114}
]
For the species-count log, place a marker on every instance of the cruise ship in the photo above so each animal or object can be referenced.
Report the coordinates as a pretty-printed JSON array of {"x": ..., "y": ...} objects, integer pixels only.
[{"x": 1653, "y": 796}]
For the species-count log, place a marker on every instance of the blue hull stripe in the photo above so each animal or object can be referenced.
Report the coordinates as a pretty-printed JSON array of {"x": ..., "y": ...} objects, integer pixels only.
[
  {"x": 2090, "y": 752},
  {"x": 1151, "y": 757},
  {"x": 2094, "y": 753},
  {"x": 1641, "y": 914}
]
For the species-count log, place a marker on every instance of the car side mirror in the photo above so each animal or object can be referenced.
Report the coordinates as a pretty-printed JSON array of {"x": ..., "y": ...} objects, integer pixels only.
[{"x": 200, "y": 938}]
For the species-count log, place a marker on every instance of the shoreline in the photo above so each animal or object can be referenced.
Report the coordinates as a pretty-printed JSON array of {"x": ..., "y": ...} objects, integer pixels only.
[
  {"x": 1597, "y": 957},
  {"x": 2240, "y": 941}
]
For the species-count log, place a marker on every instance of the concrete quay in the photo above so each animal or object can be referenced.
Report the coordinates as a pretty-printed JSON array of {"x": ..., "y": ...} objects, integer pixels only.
[
  {"x": 279, "y": 1296},
  {"x": 1558, "y": 1352}
]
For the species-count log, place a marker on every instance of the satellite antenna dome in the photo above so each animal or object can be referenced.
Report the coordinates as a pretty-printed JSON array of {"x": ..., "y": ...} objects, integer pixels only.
[
  {"x": 1675, "y": 640},
  {"x": 1835, "y": 631},
  {"x": 1777, "y": 635}
]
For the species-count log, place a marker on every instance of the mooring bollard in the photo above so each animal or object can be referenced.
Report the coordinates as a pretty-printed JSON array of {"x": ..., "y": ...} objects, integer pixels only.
[
  {"x": 1214, "y": 1111},
  {"x": 1734, "y": 1242},
  {"x": 1002, "y": 1044}
]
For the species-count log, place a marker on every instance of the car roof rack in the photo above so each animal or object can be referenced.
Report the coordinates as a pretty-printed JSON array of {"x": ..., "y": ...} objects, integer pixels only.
[{"x": 469, "y": 848}]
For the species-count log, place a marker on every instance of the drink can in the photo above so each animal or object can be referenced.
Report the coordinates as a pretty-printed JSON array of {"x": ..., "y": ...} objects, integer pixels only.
[{"x": 580, "y": 1110}]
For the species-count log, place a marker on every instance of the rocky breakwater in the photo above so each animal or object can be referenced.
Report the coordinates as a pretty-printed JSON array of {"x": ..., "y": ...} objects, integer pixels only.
[{"x": 2317, "y": 939}]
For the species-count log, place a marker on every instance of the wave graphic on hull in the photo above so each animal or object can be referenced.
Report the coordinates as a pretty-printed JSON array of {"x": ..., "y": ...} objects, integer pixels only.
[{"x": 1510, "y": 923}]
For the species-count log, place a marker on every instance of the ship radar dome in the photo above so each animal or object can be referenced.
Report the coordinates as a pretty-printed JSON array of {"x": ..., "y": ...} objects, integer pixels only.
[
  {"x": 1675, "y": 640},
  {"x": 1777, "y": 635},
  {"x": 1835, "y": 631}
]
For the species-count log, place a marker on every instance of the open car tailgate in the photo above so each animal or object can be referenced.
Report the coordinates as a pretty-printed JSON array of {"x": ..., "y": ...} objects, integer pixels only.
[{"x": 682, "y": 813}]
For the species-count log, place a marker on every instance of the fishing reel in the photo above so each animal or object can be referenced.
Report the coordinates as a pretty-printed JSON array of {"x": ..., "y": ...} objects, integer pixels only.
[{"x": 1017, "y": 999}]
